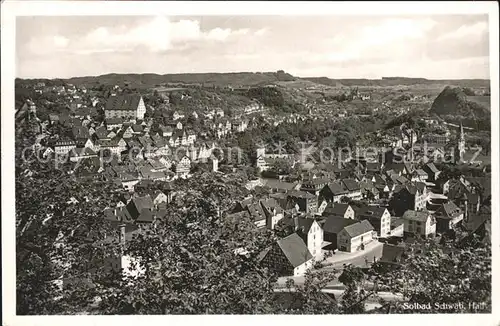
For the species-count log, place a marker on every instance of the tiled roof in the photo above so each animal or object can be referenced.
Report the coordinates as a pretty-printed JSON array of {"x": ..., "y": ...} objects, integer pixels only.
[
  {"x": 336, "y": 209},
  {"x": 336, "y": 189},
  {"x": 295, "y": 249},
  {"x": 123, "y": 102},
  {"x": 335, "y": 224},
  {"x": 114, "y": 121},
  {"x": 359, "y": 228},
  {"x": 421, "y": 216},
  {"x": 351, "y": 184},
  {"x": 448, "y": 210}
]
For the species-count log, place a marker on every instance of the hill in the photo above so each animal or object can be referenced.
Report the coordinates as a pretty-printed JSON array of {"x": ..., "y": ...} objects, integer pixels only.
[
  {"x": 453, "y": 101},
  {"x": 238, "y": 79},
  {"x": 397, "y": 81}
]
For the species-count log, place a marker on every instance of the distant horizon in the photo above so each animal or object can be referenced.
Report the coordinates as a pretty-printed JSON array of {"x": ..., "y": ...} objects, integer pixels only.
[{"x": 242, "y": 72}]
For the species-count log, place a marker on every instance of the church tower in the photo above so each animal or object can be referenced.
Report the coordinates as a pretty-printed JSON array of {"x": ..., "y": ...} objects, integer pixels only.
[{"x": 461, "y": 143}]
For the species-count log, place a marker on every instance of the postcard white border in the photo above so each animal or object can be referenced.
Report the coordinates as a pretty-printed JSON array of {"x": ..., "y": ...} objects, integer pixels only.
[{"x": 11, "y": 9}]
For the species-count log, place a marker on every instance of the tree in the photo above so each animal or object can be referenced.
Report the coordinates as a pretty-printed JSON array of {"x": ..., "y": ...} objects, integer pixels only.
[
  {"x": 191, "y": 264},
  {"x": 456, "y": 273},
  {"x": 281, "y": 166}
]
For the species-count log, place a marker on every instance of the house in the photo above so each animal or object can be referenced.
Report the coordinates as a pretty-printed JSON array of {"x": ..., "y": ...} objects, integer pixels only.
[
  {"x": 183, "y": 166},
  {"x": 273, "y": 212},
  {"x": 127, "y": 180},
  {"x": 274, "y": 185},
  {"x": 137, "y": 129},
  {"x": 53, "y": 119},
  {"x": 332, "y": 226},
  {"x": 80, "y": 133},
  {"x": 127, "y": 132},
  {"x": 191, "y": 137},
  {"x": 332, "y": 192},
  {"x": 174, "y": 124},
  {"x": 128, "y": 107},
  {"x": 307, "y": 202},
  {"x": 355, "y": 237},
  {"x": 63, "y": 147},
  {"x": 420, "y": 223},
  {"x": 369, "y": 190},
  {"x": 79, "y": 154},
  {"x": 339, "y": 210},
  {"x": 288, "y": 256},
  {"x": 311, "y": 233},
  {"x": 432, "y": 171},
  {"x": 353, "y": 189},
  {"x": 101, "y": 133},
  {"x": 257, "y": 213},
  {"x": 419, "y": 175},
  {"x": 158, "y": 197},
  {"x": 448, "y": 215},
  {"x": 166, "y": 131},
  {"x": 314, "y": 185},
  {"x": 409, "y": 197},
  {"x": 379, "y": 218},
  {"x": 392, "y": 256},
  {"x": 140, "y": 209},
  {"x": 240, "y": 126},
  {"x": 114, "y": 123},
  {"x": 397, "y": 227},
  {"x": 177, "y": 115},
  {"x": 109, "y": 146}
]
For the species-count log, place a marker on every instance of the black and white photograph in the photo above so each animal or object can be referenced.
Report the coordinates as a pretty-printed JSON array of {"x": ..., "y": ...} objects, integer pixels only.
[{"x": 250, "y": 162}]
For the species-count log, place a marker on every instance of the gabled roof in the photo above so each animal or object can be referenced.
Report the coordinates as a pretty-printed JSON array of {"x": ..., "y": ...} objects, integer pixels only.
[
  {"x": 137, "y": 128},
  {"x": 140, "y": 203},
  {"x": 255, "y": 210},
  {"x": 373, "y": 212},
  {"x": 420, "y": 216},
  {"x": 276, "y": 184},
  {"x": 304, "y": 224},
  {"x": 336, "y": 189},
  {"x": 128, "y": 102},
  {"x": 101, "y": 132},
  {"x": 448, "y": 210},
  {"x": 334, "y": 224},
  {"x": 80, "y": 132},
  {"x": 271, "y": 203},
  {"x": 432, "y": 167},
  {"x": 295, "y": 249},
  {"x": 420, "y": 173},
  {"x": 351, "y": 185},
  {"x": 114, "y": 121},
  {"x": 358, "y": 228},
  {"x": 301, "y": 194},
  {"x": 337, "y": 209},
  {"x": 82, "y": 152}
]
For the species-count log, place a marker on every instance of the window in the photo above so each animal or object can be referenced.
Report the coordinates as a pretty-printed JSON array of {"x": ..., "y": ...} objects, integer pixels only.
[{"x": 419, "y": 230}]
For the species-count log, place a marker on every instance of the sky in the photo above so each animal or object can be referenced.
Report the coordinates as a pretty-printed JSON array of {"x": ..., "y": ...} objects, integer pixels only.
[{"x": 434, "y": 47}]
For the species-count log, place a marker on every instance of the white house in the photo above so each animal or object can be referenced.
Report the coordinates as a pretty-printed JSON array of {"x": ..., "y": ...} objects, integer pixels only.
[
  {"x": 419, "y": 223},
  {"x": 355, "y": 237}
]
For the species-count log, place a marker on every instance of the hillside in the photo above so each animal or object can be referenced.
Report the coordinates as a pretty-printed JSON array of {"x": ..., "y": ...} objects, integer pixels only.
[
  {"x": 239, "y": 79},
  {"x": 395, "y": 81},
  {"x": 453, "y": 101}
]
